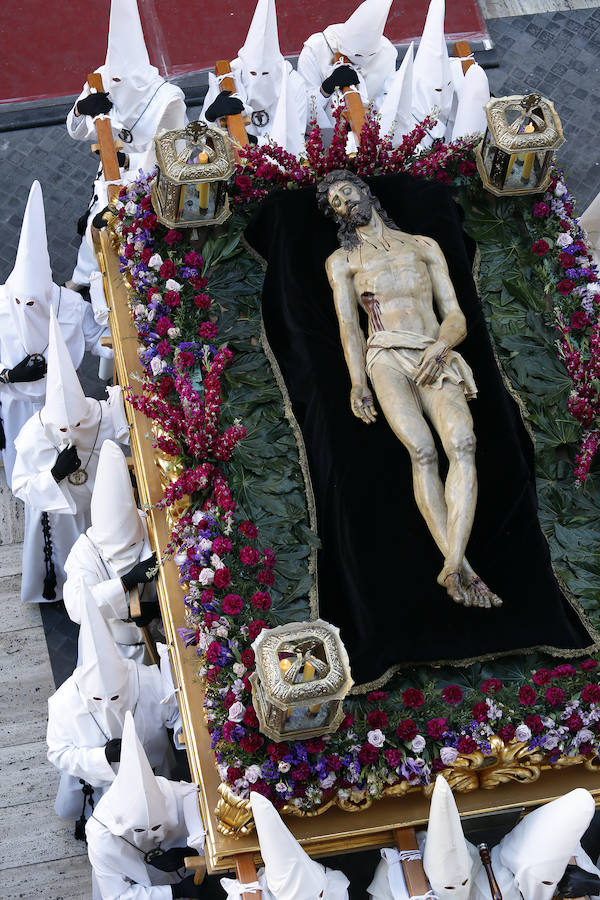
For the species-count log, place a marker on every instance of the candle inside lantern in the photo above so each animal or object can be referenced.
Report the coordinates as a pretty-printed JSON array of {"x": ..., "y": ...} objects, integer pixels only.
[
  {"x": 308, "y": 674},
  {"x": 203, "y": 186},
  {"x": 284, "y": 665},
  {"x": 528, "y": 158}
]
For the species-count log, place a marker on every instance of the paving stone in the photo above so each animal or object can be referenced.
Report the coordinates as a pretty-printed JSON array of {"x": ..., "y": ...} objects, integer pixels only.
[
  {"x": 26, "y": 772},
  {"x": 25, "y": 685},
  {"x": 62, "y": 879}
]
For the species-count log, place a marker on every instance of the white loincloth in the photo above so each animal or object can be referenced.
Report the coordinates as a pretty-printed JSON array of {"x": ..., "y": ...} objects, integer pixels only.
[{"x": 402, "y": 351}]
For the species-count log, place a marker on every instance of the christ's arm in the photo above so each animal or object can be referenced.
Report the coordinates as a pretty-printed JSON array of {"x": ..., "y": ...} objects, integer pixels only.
[{"x": 353, "y": 339}]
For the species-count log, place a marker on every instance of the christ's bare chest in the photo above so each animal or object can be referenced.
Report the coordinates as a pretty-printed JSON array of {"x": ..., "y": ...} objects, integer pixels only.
[{"x": 389, "y": 269}]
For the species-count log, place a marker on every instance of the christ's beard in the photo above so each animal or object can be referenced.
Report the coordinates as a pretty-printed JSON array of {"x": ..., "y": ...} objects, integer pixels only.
[{"x": 359, "y": 213}]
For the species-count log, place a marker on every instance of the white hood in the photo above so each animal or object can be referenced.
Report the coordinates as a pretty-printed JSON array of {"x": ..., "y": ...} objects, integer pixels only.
[
  {"x": 137, "y": 798},
  {"x": 68, "y": 415},
  {"x": 291, "y": 874},
  {"x": 539, "y": 848},
  {"x": 448, "y": 860},
  {"x": 287, "y": 128},
  {"x": 261, "y": 58},
  {"x": 470, "y": 114},
  {"x": 116, "y": 528},
  {"x": 127, "y": 60},
  {"x": 29, "y": 286},
  {"x": 106, "y": 682},
  {"x": 359, "y": 36},
  {"x": 396, "y": 109},
  {"x": 432, "y": 74}
]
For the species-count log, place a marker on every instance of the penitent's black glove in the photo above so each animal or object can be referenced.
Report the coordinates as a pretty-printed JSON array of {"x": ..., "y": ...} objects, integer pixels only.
[
  {"x": 187, "y": 888},
  {"x": 150, "y": 610},
  {"x": 2, "y": 436},
  {"x": 27, "y": 371},
  {"x": 341, "y": 77},
  {"x": 576, "y": 882},
  {"x": 94, "y": 104},
  {"x": 112, "y": 750},
  {"x": 139, "y": 573},
  {"x": 67, "y": 461},
  {"x": 99, "y": 222},
  {"x": 223, "y": 105},
  {"x": 172, "y": 859}
]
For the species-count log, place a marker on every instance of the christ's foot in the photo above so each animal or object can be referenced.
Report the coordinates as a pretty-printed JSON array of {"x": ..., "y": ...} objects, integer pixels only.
[
  {"x": 456, "y": 589},
  {"x": 480, "y": 594}
]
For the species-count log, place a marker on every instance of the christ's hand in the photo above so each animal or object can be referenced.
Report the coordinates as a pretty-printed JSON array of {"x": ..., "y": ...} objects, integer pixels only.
[
  {"x": 431, "y": 363},
  {"x": 361, "y": 404}
]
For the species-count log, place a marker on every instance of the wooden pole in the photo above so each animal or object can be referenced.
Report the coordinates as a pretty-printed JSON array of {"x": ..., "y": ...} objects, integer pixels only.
[
  {"x": 108, "y": 153},
  {"x": 135, "y": 608},
  {"x": 355, "y": 111},
  {"x": 417, "y": 884},
  {"x": 235, "y": 124},
  {"x": 245, "y": 871},
  {"x": 462, "y": 50}
]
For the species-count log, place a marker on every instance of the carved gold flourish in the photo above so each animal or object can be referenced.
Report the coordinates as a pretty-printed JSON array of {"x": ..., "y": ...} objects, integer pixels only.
[{"x": 233, "y": 813}]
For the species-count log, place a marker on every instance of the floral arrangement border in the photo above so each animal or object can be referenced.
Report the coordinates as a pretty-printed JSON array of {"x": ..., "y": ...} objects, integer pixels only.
[{"x": 388, "y": 740}]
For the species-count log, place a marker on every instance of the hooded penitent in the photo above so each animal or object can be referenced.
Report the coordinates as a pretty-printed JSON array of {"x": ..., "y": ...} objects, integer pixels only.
[
  {"x": 450, "y": 864},
  {"x": 139, "y": 806},
  {"x": 68, "y": 416},
  {"x": 470, "y": 114},
  {"x": 116, "y": 528},
  {"x": 396, "y": 109},
  {"x": 29, "y": 287},
  {"x": 287, "y": 128},
  {"x": 432, "y": 74},
  {"x": 532, "y": 858},
  {"x": 261, "y": 58},
  {"x": 106, "y": 682},
  {"x": 127, "y": 74},
  {"x": 359, "y": 36}
]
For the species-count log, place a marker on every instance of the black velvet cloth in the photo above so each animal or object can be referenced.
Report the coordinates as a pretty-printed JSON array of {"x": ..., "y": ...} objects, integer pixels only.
[{"x": 378, "y": 565}]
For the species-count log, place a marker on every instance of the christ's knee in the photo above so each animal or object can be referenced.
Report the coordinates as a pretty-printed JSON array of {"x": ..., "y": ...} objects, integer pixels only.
[
  {"x": 423, "y": 455},
  {"x": 461, "y": 445}
]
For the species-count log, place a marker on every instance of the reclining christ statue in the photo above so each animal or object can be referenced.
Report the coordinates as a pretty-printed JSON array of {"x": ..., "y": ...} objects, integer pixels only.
[{"x": 419, "y": 380}]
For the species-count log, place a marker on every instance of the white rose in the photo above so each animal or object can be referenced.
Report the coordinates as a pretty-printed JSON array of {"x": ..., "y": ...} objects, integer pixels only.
[
  {"x": 155, "y": 261},
  {"x": 204, "y": 544},
  {"x": 584, "y": 736},
  {"x": 139, "y": 310},
  {"x": 418, "y": 743},
  {"x": 252, "y": 773},
  {"x": 239, "y": 669},
  {"x": 197, "y": 517},
  {"x": 171, "y": 285},
  {"x": 560, "y": 190},
  {"x": 448, "y": 755},
  {"x": 157, "y": 365},
  {"x": 216, "y": 562},
  {"x": 207, "y": 576},
  {"x": 594, "y": 288},
  {"x": 180, "y": 557},
  {"x": 284, "y": 766},
  {"x": 564, "y": 239},
  {"x": 173, "y": 333},
  {"x": 523, "y": 733},
  {"x": 138, "y": 245},
  {"x": 376, "y": 737},
  {"x": 222, "y": 631},
  {"x": 151, "y": 314},
  {"x": 328, "y": 781},
  {"x": 236, "y": 711},
  {"x": 550, "y": 741},
  {"x": 131, "y": 208},
  {"x": 222, "y": 772}
]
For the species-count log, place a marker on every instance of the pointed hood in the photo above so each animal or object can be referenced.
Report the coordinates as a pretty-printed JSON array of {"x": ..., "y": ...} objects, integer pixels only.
[
  {"x": 360, "y": 35},
  {"x": 261, "y": 58},
  {"x": 137, "y": 798},
  {"x": 291, "y": 874},
  {"x": 396, "y": 109},
  {"x": 68, "y": 415},
  {"x": 470, "y": 114},
  {"x": 539, "y": 848},
  {"x": 447, "y": 860},
  {"x": 432, "y": 73},
  {"x": 127, "y": 60},
  {"x": 287, "y": 129},
  {"x": 116, "y": 528},
  {"x": 29, "y": 286}
]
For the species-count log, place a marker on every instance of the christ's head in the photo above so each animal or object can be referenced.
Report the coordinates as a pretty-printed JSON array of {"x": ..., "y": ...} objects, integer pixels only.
[{"x": 347, "y": 199}]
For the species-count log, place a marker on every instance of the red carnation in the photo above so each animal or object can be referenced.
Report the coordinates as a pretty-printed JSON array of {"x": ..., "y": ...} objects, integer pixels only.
[
  {"x": 198, "y": 282},
  {"x": 556, "y": 695},
  {"x": 412, "y": 697},
  {"x": 250, "y": 718},
  {"x": 213, "y": 651},
  {"x": 193, "y": 259},
  {"x": 149, "y": 222},
  {"x": 540, "y": 248},
  {"x": 436, "y": 728},
  {"x": 247, "y": 657},
  {"x": 491, "y": 686},
  {"x": 129, "y": 251},
  {"x": 163, "y": 348},
  {"x": 232, "y": 604},
  {"x": 588, "y": 665},
  {"x": 165, "y": 385},
  {"x": 407, "y": 730},
  {"x": 249, "y": 530},
  {"x": 377, "y": 719},
  {"x": 579, "y": 320},
  {"x": 222, "y": 577},
  {"x": 168, "y": 270},
  {"x": 277, "y": 751},
  {"x": 243, "y": 182},
  {"x": 221, "y": 545},
  {"x": 249, "y": 555},
  {"x": 591, "y": 693},
  {"x": 233, "y": 773},
  {"x": 212, "y": 674},
  {"x": 565, "y": 670},
  {"x": 173, "y": 237},
  {"x": 437, "y": 765},
  {"x": 316, "y": 745},
  {"x": 541, "y": 210},
  {"x": 301, "y": 772},
  {"x": 367, "y": 754},
  {"x": 565, "y": 286},
  {"x": 574, "y": 722},
  {"x": 377, "y": 696},
  {"x": 209, "y": 618},
  {"x": 333, "y": 762},
  {"x": 229, "y": 699},
  {"x": 565, "y": 259},
  {"x": 261, "y": 600},
  {"x": 266, "y": 576},
  {"x": 467, "y": 745},
  {"x": 346, "y": 722},
  {"x": 535, "y": 724},
  {"x": 208, "y": 330},
  {"x": 507, "y": 733},
  {"x": 202, "y": 301},
  {"x": 207, "y": 596},
  {"x": 172, "y": 298},
  {"x": 452, "y": 694},
  {"x": 527, "y": 695},
  {"x": 393, "y": 758},
  {"x": 228, "y": 731},
  {"x": 145, "y": 255},
  {"x": 480, "y": 711},
  {"x": 542, "y": 676},
  {"x": 466, "y": 167},
  {"x": 255, "y": 628},
  {"x": 251, "y": 742}
]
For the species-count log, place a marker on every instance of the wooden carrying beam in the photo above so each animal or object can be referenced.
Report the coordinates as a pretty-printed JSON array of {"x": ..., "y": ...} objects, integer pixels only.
[
  {"x": 135, "y": 608},
  {"x": 462, "y": 50},
  {"x": 417, "y": 884},
  {"x": 108, "y": 153},
  {"x": 355, "y": 111},
  {"x": 245, "y": 871},
  {"x": 235, "y": 124}
]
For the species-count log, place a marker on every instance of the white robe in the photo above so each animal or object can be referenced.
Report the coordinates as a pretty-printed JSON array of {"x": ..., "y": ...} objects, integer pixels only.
[
  {"x": 119, "y": 870},
  {"x": 21, "y": 400},
  {"x": 295, "y": 87},
  {"x": 86, "y": 561},
  {"x": 315, "y": 63},
  {"x": 67, "y": 505}
]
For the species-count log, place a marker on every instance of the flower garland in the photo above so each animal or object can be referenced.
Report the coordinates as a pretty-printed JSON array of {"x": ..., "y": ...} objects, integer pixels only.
[{"x": 227, "y": 574}]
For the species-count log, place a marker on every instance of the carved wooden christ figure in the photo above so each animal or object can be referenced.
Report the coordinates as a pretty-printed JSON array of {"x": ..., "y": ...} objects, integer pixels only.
[{"x": 400, "y": 280}]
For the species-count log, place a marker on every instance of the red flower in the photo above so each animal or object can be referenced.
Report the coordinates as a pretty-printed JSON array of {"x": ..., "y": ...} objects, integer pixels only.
[
  {"x": 346, "y": 722},
  {"x": 541, "y": 247},
  {"x": 209, "y": 618},
  {"x": 233, "y": 773},
  {"x": 565, "y": 287},
  {"x": 541, "y": 210},
  {"x": 198, "y": 282},
  {"x": 251, "y": 742},
  {"x": 277, "y": 751},
  {"x": 243, "y": 182},
  {"x": 261, "y": 600},
  {"x": 207, "y": 596},
  {"x": 213, "y": 673},
  {"x": 255, "y": 628},
  {"x": 542, "y": 676},
  {"x": 172, "y": 298},
  {"x": 232, "y": 604},
  {"x": 412, "y": 697},
  {"x": 249, "y": 555},
  {"x": 229, "y": 699},
  {"x": 168, "y": 270},
  {"x": 437, "y": 765},
  {"x": 393, "y": 758},
  {"x": 228, "y": 729},
  {"x": 442, "y": 176},
  {"x": 222, "y": 578},
  {"x": 376, "y": 696},
  {"x": 367, "y": 754},
  {"x": 452, "y": 694},
  {"x": 165, "y": 385},
  {"x": 213, "y": 651},
  {"x": 491, "y": 685},
  {"x": 480, "y": 711},
  {"x": 221, "y": 545},
  {"x": 247, "y": 657},
  {"x": 507, "y": 733},
  {"x": 149, "y": 222},
  {"x": 249, "y": 530},
  {"x": 588, "y": 665},
  {"x": 250, "y": 718},
  {"x": 574, "y": 722},
  {"x": 407, "y": 730},
  {"x": 378, "y": 719},
  {"x": 333, "y": 762},
  {"x": 128, "y": 251},
  {"x": 316, "y": 745},
  {"x": 173, "y": 237},
  {"x": 591, "y": 693},
  {"x": 527, "y": 695},
  {"x": 193, "y": 259},
  {"x": 566, "y": 260},
  {"x": 579, "y": 320},
  {"x": 467, "y": 745},
  {"x": 208, "y": 330},
  {"x": 436, "y": 728},
  {"x": 268, "y": 558},
  {"x": 466, "y": 167},
  {"x": 556, "y": 695},
  {"x": 566, "y": 670},
  {"x": 266, "y": 576},
  {"x": 535, "y": 724},
  {"x": 185, "y": 359},
  {"x": 301, "y": 772},
  {"x": 202, "y": 301},
  {"x": 145, "y": 255}
]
